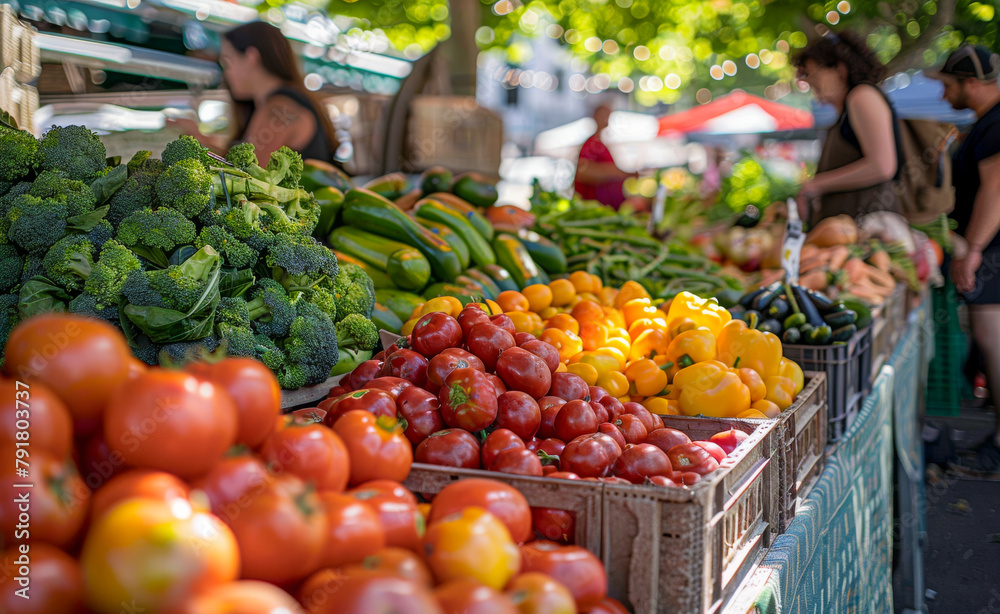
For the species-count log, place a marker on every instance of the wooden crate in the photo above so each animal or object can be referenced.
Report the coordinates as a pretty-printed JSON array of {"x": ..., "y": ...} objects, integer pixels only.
[
  {"x": 583, "y": 498},
  {"x": 687, "y": 549},
  {"x": 307, "y": 396}
]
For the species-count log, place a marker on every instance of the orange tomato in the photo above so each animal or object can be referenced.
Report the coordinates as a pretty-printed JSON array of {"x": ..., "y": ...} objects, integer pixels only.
[
  {"x": 245, "y": 597},
  {"x": 537, "y": 593},
  {"x": 587, "y": 311},
  {"x": 51, "y": 425},
  {"x": 398, "y": 562},
  {"x": 256, "y": 392},
  {"x": 472, "y": 545},
  {"x": 539, "y": 296},
  {"x": 564, "y": 321},
  {"x": 353, "y": 530},
  {"x": 523, "y": 322},
  {"x": 582, "y": 281},
  {"x": 471, "y": 597},
  {"x": 312, "y": 452},
  {"x": 512, "y": 300},
  {"x": 144, "y": 483},
  {"x": 562, "y": 292}
]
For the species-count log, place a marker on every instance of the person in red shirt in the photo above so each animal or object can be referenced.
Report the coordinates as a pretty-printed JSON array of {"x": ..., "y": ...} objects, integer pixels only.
[{"x": 597, "y": 176}]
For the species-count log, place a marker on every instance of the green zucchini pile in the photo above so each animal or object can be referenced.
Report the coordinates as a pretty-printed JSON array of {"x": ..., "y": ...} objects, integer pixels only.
[{"x": 801, "y": 316}]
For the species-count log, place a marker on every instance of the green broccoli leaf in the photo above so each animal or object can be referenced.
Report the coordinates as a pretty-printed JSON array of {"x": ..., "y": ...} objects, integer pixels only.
[
  {"x": 40, "y": 295},
  {"x": 106, "y": 185}
]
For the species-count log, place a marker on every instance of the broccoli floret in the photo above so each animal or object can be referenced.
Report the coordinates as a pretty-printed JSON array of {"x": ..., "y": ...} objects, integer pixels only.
[
  {"x": 285, "y": 167},
  {"x": 300, "y": 262},
  {"x": 32, "y": 267},
  {"x": 87, "y": 305},
  {"x": 74, "y": 150},
  {"x": 234, "y": 311},
  {"x": 6, "y": 203},
  {"x": 310, "y": 348},
  {"x": 269, "y": 353},
  {"x": 242, "y": 156},
  {"x": 185, "y": 148},
  {"x": 137, "y": 193},
  {"x": 36, "y": 223},
  {"x": 238, "y": 183},
  {"x": 142, "y": 160},
  {"x": 114, "y": 265},
  {"x": 325, "y": 300},
  {"x": 178, "y": 290},
  {"x": 354, "y": 290},
  {"x": 70, "y": 261},
  {"x": 299, "y": 217},
  {"x": 186, "y": 186},
  {"x": 137, "y": 291},
  {"x": 356, "y": 332},
  {"x": 270, "y": 309},
  {"x": 11, "y": 266},
  {"x": 148, "y": 353},
  {"x": 54, "y": 185},
  {"x": 235, "y": 252},
  {"x": 18, "y": 154},
  {"x": 184, "y": 352},
  {"x": 8, "y": 320},
  {"x": 101, "y": 233},
  {"x": 238, "y": 341},
  {"x": 158, "y": 231}
]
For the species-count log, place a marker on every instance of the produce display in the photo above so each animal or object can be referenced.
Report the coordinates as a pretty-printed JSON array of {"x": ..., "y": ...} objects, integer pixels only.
[
  {"x": 185, "y": 491},
  {"x": 801, "y": 315}
]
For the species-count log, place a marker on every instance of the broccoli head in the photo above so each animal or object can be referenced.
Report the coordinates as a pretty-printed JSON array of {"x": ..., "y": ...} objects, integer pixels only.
[
  {"x": 325, "y": 300},
  {"x": 115, "y": 263},
  {"x": 300, "y": 262},
  {"x": 87, "y": 305},
  {"x": 356, "y": 332},
  {"x": 6, "y": 202},
  {"x": 269, "y": 353},
  {"x": 235, "y": 252},
  {"x": 162, "y": 229},
  {"x": 233, "y": 310},
  {"x": 310, "y": 348},
  {"x": 18, "y": 154},
  {"x": 354, "y": 290},
  {"x": 138, "y": 192},
  {"x": 296, "y": 217},
  {"x": 32, "y": 267},
  {"x": 237, "y": 340},
  {"x": 11, "y": 266},
  {"x": 74, "y": 150},
  {"x": 54, "y": 185},
  {"x": 244, "y": 221},
  {"x": 101, "y": 233},
  {"x": 70, "y": 261},
  {"x": 36, "y": 223},
  {"x": 177, "y": 289},
  {"x": 270, "y": 309},
  {"x": 185, "y": 186},
  {"x": 285, "y": 167},
  {"x": 242, "y": 156},
  {"x": 186, "y": 148},
  {"x": 184, "y": 352}
]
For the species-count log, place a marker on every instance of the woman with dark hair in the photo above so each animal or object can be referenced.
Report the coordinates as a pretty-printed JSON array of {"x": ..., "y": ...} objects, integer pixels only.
[
  {"x": 860, "y": 157},
  {"x": 272, "y": 108}
]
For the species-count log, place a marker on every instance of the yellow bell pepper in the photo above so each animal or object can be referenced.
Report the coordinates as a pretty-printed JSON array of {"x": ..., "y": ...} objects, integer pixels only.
[
  {"x": 602, "y": 362},
  {"x": 696, "y": 372},
  {"x": 630, "y": 290},
  {"x": 792, "y": 370},
  {"x": 661, "y": 406},
  {"x": 636, "y": 309},
  {"x": 752, "y": 414},
  {"x": 648, "y": 378},
  {"x": 754, "y": 383},
  {"x": 614, "y": 317},
  {"x": 692, "y": 346},
  {"x": 704, "y": 312},
  {"x": 608, "y": 296},
  {"x": 717, "y": 395},
  {"x": 780, "y": 391},
  {"x": 614, "y": 382},
  {"x": 767, "y": 408},
  {"x": 648, "y": 342},
  {"x": 644, "y": 324},
  {"x": 567, "y": 343},
  {"x": 615, "y": 353},
  {"x": 680, "y": 325},
  {"x": 740, "y": 346},
  {"x": 585, "y": 371},
  {"x": 620, "y": 344}
]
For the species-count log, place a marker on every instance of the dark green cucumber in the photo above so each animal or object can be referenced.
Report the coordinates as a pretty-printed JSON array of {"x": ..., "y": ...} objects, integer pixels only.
[
  {"x": 807, "y": 307},
  {"x": 763, "y": 300},
  {"x": 369, "y": 211},
  {"x": 544, "y": 252},
  {"x": 405, "y": 265},
  {"x": 748, "y": 298},
  {"x": 469, "y": 282},
  {"x": 391, "y": 185},
  {"x": 385, "y": 319},
  {"x": 399, "y": 302},
  {"x": 476, "y": 189},
  {"x": 791, "y": 336},
  {"x": 379, "y": 277},
  {"x": 864, "y": 312},
  {"x": 770, "y": 326},
  {"x": 501, "y": 277},
  {"x": 480, "y": 251},
  {"x": 779, "y": 309},
  {"x": 317, "y": 174},
  {"x": 485, "y": 280},
  {"x": 844, "y": 333},
  {"x": 435, "y": 179},
  {"x": 330, "y": 201},
  {"x": 819, "y": 335},
  {"x": 512, "y": 255},
  {"x": 821, "y": 301},
  {"x": 471, "y": 214},
  {"x": 462, "y": 293},
  {"x": 840, "y": 318},
  {"x": 456, "y": 242}
]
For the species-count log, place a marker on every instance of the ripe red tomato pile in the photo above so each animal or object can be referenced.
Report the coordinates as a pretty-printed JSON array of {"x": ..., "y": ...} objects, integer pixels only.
[
  {"x": 469, "y": 392},
  {"x": 186, "y": 492}
]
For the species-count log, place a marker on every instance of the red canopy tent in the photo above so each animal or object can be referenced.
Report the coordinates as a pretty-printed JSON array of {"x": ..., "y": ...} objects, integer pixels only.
[{"x": 737, "y": 112}]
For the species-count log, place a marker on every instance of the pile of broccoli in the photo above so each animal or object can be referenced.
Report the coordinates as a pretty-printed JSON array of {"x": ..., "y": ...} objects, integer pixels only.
[{"x": 191, "y": 255}]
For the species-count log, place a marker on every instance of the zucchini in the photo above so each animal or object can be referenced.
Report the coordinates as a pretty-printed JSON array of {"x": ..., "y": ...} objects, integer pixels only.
[
  {"x": 463, "y": 294},
  {"x": 807, "y": 307},
  {"x": 476, "y": 189},
  {"x": 369, "y": 211},
  {"x": 748, "y": 298},
  {"x": 484, "y": 280},
  {"x": 330, "y": 201},
  {"x": 821, "y": 301},
  {"x": 385, "y": 319},
  {"x": 544, "y": 252},
  {"x": 435, "y": 179},
  {"x": 864, "y": 312},
  {"x": 779, "y": 309},
  {"x": 501, "y": 277},
  {"x": 379, "y": 277},
  {"x": 456, "y": 243},
  {"x": 317, "y": 174},
  {"x": 512, "y": 255},
  {"x": 840, "y": 318},
  {"x": 791, "y": 336},
  {"x": 844, "y": 333},
  {"x": 479, "y": 249},
  {"x": 399, "y": 302},
  {"x": 819, "y": 335},
  {"x": 472, "y": 215},
  {"x": 405, "y": 265},
  {"x": 391, "y": 185},
  {"x": 737, "y": 311},
  {"x": 468, "y": 282},
  {"x": 770, "y": 326},
  {"x": 764, "y": 299},
  {"x": 794, "y": 321}
]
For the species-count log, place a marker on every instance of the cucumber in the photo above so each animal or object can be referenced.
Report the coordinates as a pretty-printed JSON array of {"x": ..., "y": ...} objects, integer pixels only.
[
  {"x": 779, "y": 309},
  {"x": 469, "y": 282},
  {"x": 544, "y": 252},
  {"x": 385, "y": 319},
  {"x": 484, "y": 280},
  {"x": 317, "y": 174},
  {"x": 819, "y": 335},
  {"x": 807, "y": 307},
  {"x": 476, "y": 189},
  {"x": 369, "y": 211},
  {"x": 399, "y": 302},
  {"x": 405, "y": 265},
  {"x": 472, "y": 215},
  {"x": 330, "y": 201},
  {"x": 794, "y": 321},
  {"x": 821, "y": 301},
  {"x": 844, "y": 333},
  {"x": 479, "y": 248},
  {"x": 501, "y": 277},
  {"x": 379, "y": 277},
  {"x": 840, "y": 318},
  {"x": 512, "y": 255},
  {"x": 770, "y": 326},
  {"x": 391, "y": 185},
  {"x": 463, "y": 294},
  {"x": 791, "y": 336},
  {"x": 435, "y": 179},
  {"x": 864, "y": 318},
  {"x": 748, "y": 298},
  {"x": 451, "y": 238}
]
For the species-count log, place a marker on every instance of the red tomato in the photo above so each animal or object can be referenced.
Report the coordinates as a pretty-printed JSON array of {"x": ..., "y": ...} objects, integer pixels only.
[
  {"x": 407, "y": 365},
  {"x": 502, "y": 500},
  {"x": 712, "y": 448},
  {"x": 729, "y": 440},
  {"x": 631, "y": 428},
  {"x": 396, "y": 508},
  {"x": 649, "y": 421},
  {"x": 392, "y": 385},
  {"x": 255, "y": 390},
  {"x": 600, "y": 411},
  {"x": 56, "y": 505},
  {"x": 244, "y": 596},
  {"x": 537, "y": 593},
  {"x": 641, "y": 461},
  {"x": 572, "y": 566},
  {"x": 613, "y": 405},
  {"x": 498, "y": 384},
  {"x": 667, "y": 438},
  {"x": 522, "y": 338},
  {"x": 364, "y": 373},
  {"x": 312, "y": 452},
  {"x": 307, "y": 415},
  {"x": 554, "y": 525},
  {"x": 468, "y": 400},
  {"x": 398, "y": 562},
  {"x": 447, "y": 361},
  {"x": 280, "y": 531},
  {"x": 372, "y": 400},
  {"x": 608, "y": 605},
  {"x": 376, "y": 447},
  {"x": 342, "y": 388},
  {"x": 590, "y": 456},
  {"x": 551, "y": 446},
  {"x": 545, "y": 351},
  {"x": 518, "y": 412},
  {"x": 576, "y": 418},
  {"x": 471, "y": 597},
  {"x": 691, "y": 458},
  {"x": 688, "y": 478},
  {"x": 41, "y": 418},
  {"x": 569, "y": 386},
  {"x": 550, "y": 401},
  {"x": 487, "y": 342},
  {"x": 547, "y": 425},
  {"x": 98, "y": 463},
  {"x": 517, "y": 461},
  {"x": 613, "y": 432},
  {"x": 138, "y": 483},
  {"x": 234, "y": 478},
  {"x": 469, "y": 317},
  {"x": 565, "y": 475},
  {"x": 365, "y": 592},
  {"x": 434, "y": 333},
  {"x": 499, "y": 441},
  {"x": 353, "y": 530},
  {"x": 172, "y": 421},
  {"x": 503, "y": 321},
  {"x": 421, "y": 411},
  {"x": 60, "y": 351},
  {"x": 450, "y": 448},
  {"x": 56, "y": 581},
  {"x": 521, "y": 370},
  {"x": 659, "y": 480},
  {"x": 597, "y": 393}
]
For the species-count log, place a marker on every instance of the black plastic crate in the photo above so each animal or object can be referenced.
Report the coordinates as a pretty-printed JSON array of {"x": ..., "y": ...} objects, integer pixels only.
[{"x": 848, "y": 375}]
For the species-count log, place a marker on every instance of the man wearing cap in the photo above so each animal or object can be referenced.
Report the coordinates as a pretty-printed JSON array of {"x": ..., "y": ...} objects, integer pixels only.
[{"x": 970, "y": 82}]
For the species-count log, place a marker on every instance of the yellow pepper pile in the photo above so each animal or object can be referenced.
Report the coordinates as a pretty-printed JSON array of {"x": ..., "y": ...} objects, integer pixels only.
[{"x": 692, "y": 359}]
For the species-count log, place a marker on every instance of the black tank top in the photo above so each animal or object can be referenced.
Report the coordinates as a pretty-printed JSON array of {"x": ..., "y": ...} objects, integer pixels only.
[{"x": 317, "y": 148}]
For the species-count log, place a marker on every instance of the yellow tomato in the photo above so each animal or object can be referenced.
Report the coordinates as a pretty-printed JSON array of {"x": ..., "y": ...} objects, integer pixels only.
[
  {"x": 563, "y": 292},
  {"x": 662, "y": 406},
  {"x": 614, "y": 382},
  {"x": 564, "y": 321},
  {"x": 472, "y": 545},
  {"x": 582, "y": 281},
  {"x": 443, "y": 304},
  {"x": 539, "y": 297},
  {"x": 522, "y": 321}
]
